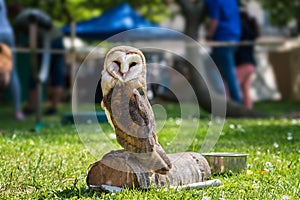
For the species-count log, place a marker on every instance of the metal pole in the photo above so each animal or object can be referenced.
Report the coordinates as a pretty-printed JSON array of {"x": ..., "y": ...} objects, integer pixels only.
[
  {"x": 73, "y": 68},
  {"x": 33, "y": 50}
]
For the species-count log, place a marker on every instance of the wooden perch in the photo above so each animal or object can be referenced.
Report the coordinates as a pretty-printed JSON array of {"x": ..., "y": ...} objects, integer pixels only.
[{"x": 122, "y": 169}]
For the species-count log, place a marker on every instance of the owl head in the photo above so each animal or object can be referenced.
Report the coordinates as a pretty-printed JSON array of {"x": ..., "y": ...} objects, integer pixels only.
[{"x": 123, "y": 64}]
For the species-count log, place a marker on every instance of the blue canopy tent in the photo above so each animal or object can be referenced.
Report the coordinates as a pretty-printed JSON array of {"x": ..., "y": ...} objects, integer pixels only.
[
  {"x": 120, "y": 24},
  {"x": 119, "y": 19}
]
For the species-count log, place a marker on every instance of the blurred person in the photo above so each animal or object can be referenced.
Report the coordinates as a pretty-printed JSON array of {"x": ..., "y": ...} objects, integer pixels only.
[
  {"x": 244, "y": 57},
  {"x": 7, "y": 37},
  {"x": 224, "y": 26},
  {"x": 46, "y": 32}
]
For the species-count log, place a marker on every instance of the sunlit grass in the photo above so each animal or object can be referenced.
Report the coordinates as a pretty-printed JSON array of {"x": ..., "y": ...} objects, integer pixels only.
[{"x": 52, "y": 163}]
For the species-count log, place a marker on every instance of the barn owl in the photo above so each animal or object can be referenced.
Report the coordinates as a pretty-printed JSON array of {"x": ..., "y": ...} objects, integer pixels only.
[{"x": 128, "y": 109}]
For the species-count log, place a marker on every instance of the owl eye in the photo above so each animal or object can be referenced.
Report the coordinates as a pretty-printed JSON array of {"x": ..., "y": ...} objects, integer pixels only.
[
  {"x": 117, "y": 62},
  {"x": 132, "y": 64}
]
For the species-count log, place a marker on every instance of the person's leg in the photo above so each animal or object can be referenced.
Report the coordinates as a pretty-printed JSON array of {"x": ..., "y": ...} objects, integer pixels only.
[
  {"x": 56, "y": 77},
  {"x": 31, "y": 103},
  {"x": 16, "y": 93},
  {"x": 56, "y": 93},
  {"x": 244, "y": 73},
  {"x": 247, "y": 97},
  {"x": 224, "y": 59},
  {"x": 14, "y": 84},
  {"x": 214, "y": 77}
]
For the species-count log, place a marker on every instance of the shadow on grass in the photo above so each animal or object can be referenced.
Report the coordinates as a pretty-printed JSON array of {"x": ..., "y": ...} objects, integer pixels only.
[
  {"x": 73, "y": 192},
  {"x": 278, "y": 108}
]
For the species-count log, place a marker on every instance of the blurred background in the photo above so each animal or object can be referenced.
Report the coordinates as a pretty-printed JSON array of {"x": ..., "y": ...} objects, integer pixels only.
[{"x": 83, "y": 24}]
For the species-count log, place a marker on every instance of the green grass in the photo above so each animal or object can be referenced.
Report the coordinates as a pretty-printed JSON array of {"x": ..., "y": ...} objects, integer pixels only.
[{"x": 52, "y": 163}]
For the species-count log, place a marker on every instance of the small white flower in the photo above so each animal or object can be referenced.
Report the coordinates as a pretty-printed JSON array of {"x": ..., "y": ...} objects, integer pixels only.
[
  {"x": 231, "y": 126},
  {"x": 284, "y": 197},
  {"x": 289, "y": 136},
  {"x": 294, "y": 121},
  {"x": 275, "y": 145},
  {"x": 268, "y": 164},
  {"x": 178, "y": 121}
]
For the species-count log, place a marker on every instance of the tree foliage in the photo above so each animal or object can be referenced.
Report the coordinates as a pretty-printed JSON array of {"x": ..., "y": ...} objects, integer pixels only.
[
  {"x": 282, "y": 12},
  {"x": 65, "y": 11}
]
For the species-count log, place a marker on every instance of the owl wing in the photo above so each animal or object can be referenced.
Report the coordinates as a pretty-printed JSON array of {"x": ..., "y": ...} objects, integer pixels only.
[
  {"x": 106, "y": 106},
  {"x": 156, "y": 158},
  {"x": 130, "y": 114},
  {"x": 141, "y": 112}
]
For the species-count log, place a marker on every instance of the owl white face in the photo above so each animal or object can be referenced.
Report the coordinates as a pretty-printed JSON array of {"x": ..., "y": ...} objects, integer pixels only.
[{"x": 125, "y": 64}]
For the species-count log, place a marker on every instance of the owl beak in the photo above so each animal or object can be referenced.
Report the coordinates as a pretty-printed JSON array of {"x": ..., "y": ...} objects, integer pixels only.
[{"x": 123, "y": 75}]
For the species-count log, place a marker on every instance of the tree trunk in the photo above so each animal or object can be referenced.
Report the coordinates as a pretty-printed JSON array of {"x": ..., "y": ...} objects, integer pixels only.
[
  {"x": 66, "y": 11},
  {"x": 123, "y": 169}
]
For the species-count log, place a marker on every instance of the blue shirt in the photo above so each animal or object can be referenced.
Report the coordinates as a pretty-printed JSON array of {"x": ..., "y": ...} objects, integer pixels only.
[{"x": 227, "y": 14}]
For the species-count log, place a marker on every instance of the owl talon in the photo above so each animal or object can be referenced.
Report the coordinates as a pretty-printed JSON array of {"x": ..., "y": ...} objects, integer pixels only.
[{"x": 162, "y": 171}]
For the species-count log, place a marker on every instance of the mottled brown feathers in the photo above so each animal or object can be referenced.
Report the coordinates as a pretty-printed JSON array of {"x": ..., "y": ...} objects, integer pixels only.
[{"x": 128, "y": 109}]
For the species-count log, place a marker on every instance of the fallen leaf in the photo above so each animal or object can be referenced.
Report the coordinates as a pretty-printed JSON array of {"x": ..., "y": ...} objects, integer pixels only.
[{"x": 263, "y": 171}]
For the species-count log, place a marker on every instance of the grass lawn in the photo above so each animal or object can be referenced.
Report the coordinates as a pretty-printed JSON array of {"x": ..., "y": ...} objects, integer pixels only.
[{"x": 52, "y": 163}]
